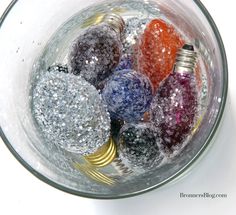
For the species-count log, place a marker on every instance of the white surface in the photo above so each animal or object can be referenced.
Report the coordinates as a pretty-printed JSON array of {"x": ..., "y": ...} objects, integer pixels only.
[{"x": 22, "y": 193}]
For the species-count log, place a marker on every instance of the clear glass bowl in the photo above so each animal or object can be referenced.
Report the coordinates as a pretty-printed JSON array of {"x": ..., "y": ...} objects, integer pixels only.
[{"x": 26, "y": 26}]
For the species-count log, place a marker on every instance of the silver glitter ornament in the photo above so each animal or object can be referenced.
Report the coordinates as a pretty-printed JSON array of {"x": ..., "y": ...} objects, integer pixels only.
[
  {"x": 133, "y": 29},
  {"x": 70, "y": 113}
]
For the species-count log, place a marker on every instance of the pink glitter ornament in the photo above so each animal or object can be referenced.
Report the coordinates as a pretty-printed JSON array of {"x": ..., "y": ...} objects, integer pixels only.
[{"x": 174, "y": 107}]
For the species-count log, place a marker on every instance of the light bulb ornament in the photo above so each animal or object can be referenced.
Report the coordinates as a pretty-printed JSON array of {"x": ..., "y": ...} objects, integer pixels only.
[
  {"x": 175, "y": 106},
  {"x": 96, "y": 52},
  {"x": 69, "y": 113}
]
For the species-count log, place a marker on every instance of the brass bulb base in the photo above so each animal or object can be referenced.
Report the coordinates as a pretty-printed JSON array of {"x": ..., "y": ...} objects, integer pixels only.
[
  {"x": 94, "y": 174},
  {"x": 104, "y": 156}
]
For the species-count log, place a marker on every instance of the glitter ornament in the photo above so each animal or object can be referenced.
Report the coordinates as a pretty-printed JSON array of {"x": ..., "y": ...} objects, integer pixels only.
[
  {"x": 133, "y": 29},
  {"x": 128, "y": 95},
  {"x": 174, "y": 107},
  {"x": 138, "y": 147},
  {"x": 97, "y": 51},
  {"x": 158, "y": 47},
  {"x": 70, "y": 113},
  {"x": 58, "y": 68},
  {"x": 125, "y": 63}
]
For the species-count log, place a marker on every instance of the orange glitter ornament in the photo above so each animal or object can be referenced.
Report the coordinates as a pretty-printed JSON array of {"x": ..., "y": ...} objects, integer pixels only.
[{"x": 157, "y": 51}]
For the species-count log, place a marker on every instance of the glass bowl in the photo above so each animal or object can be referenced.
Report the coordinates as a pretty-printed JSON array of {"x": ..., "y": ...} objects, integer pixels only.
[{"x": 25, "y": 29}]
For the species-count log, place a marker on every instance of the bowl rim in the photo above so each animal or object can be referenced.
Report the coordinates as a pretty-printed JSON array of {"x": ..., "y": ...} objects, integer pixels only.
[{"x": 171, "y": 178}]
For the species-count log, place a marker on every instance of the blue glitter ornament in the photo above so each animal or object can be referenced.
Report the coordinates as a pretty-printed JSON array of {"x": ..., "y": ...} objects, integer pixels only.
[{"x": 128, "y": 95}]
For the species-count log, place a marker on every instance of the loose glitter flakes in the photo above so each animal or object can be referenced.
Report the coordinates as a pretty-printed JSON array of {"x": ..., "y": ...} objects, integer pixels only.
[
  {"x": 70, "y": 113},
  {"x": 133, "y": 29}
]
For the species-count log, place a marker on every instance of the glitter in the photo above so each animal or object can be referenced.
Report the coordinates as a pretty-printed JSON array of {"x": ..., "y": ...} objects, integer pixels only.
[
  {"x": 174, "y": 108},
  {"x": 125, "y": 63},
  {"x": 128, "y": 95},
  {"x": 133, "y": 29},
  {"x": 96, "y": 53},
  {"x": 70, "y": 113},
  {"x": 157, "y": 51},
  {"x": 138, "y": 146}
]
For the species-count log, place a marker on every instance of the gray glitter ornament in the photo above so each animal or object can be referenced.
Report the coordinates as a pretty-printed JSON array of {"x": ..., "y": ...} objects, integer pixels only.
[
  {"x": 97, "y": 51},
  {"x": 138, "y": 146},
  {"x": 70, "y": 113}
]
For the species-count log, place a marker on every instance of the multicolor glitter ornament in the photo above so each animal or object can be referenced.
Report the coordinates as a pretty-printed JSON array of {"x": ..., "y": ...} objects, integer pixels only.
[
  {"x": 158, "y": 47},
  {"x": 128, "y": 95},
  {"x": 174, "y": 107},
  {"x": 97, "y": 51},
  {"x": 138, "y": 146},
  {"x": 70, "y": 113}
]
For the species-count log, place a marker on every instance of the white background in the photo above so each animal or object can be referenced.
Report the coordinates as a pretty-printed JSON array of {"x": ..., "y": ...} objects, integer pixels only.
[{"x": 22, "y": 193}]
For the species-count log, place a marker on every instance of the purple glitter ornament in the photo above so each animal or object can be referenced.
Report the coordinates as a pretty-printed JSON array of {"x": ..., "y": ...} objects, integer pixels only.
[
  {"x": 97, "y": 51},
  {"x": 128, "y": 95},
  {"x": 174, "y": 107}
]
